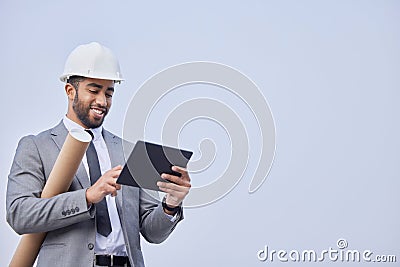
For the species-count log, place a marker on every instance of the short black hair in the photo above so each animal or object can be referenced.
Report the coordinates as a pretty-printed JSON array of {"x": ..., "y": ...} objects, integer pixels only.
[{"x": 75, "y": 80}]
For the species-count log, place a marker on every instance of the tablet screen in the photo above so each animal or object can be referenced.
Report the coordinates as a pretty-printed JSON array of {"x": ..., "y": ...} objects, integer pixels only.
[{"x": 148, "y": 161}]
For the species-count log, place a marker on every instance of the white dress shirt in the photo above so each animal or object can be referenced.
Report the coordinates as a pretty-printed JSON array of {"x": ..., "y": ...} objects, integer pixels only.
[{"x": 114, "y": 243}]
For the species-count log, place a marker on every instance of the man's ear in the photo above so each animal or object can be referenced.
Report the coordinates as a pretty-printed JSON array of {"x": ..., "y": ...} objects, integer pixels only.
[{"x": 70, "y": 91}]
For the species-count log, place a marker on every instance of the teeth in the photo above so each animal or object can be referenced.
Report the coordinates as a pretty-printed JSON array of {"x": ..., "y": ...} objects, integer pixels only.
[{"x": 98, "y": 111}]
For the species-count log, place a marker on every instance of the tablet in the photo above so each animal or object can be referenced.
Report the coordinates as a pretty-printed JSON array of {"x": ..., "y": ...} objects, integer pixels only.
[{"x": 148, "y": 161}]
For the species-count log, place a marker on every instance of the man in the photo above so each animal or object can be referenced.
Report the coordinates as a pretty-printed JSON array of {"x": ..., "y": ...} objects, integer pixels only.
[{"x": 97, "y": 222}]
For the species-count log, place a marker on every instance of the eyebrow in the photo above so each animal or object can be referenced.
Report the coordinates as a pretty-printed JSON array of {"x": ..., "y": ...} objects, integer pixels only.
[
  {"x": 100, "y": 86},
  {"x": 95, "y": 85}
]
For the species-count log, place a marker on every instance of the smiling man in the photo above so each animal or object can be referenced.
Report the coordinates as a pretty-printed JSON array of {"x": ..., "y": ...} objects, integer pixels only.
[
  {"x": 97, "y": 222},
  {"x": 82, "y": 105}
]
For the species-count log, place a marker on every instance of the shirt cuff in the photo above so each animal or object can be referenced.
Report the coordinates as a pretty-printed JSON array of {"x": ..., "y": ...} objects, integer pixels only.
[{"x": 170, "y": 217}]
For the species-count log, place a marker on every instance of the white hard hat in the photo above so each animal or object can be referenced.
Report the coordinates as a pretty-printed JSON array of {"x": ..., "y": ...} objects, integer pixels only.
[{"x": 92, "y": 61}]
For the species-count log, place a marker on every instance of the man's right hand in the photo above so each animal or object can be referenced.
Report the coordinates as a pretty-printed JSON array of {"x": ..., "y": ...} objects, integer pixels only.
[{"x": 106, "y": 185}]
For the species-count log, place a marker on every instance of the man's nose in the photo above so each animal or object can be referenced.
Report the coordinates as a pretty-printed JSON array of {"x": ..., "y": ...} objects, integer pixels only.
[{"x": 101, "y": 100}]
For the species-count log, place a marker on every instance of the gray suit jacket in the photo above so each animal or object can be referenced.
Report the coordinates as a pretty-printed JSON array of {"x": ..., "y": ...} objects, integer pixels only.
[{"x": 69, "y": 224}]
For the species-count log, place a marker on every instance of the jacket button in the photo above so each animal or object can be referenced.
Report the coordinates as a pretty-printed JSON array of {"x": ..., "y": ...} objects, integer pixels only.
[
  {"x": 72, "y": 211},
  {"x": 90, "y": 246},
  {"x": 76, "y": 209},
  {"x": 68, "y": 212},
  {"x": 63, "y": 213}
]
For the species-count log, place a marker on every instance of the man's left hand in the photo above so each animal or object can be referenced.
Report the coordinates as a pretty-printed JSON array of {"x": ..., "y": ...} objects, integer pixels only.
[{"x": 177, "y": 189}]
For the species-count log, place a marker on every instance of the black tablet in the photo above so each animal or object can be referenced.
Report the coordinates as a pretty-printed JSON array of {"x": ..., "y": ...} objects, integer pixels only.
[{"x": 148, "y": 161}]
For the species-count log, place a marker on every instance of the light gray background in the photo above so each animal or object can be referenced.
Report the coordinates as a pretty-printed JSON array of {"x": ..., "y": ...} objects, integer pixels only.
[{"x": 329, "y": 70}]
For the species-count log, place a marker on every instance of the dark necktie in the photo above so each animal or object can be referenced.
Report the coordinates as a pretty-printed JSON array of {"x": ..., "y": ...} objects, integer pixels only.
[{"x": 102, "y": 217}]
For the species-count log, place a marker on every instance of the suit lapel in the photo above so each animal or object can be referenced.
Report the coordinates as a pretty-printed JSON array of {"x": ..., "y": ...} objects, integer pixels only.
[
  {"x": 59, "y": 134},
  {"x": 114, "y": 148}
]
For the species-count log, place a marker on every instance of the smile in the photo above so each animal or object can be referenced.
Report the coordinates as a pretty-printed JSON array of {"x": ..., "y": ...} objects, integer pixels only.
[{"x": 98, "y": 111}]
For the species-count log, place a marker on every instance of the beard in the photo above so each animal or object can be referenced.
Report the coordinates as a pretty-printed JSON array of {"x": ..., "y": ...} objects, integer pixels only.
[{"x": 82, "y": 111}]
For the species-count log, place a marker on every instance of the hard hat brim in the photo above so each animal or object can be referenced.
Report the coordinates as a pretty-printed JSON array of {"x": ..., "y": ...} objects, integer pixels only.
[{"x": 65, "y": 77}]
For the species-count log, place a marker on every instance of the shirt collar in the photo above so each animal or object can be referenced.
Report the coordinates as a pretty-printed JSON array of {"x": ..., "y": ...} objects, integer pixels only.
[{"x": 70, "y": 124}]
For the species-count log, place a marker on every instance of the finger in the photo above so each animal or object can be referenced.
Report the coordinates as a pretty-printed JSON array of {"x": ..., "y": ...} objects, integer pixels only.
[
  {"x": 173, "y": 195},
  {"x": 117, "y": 168},
  {"x": 111, "y": 181},
  {"x": 111, "y": 174},
  {"x": 176, "y": 188},
  {"x": 113, "y": 185},
  {"x": 115, "y": 173},
  {"x": 182, "y": 171},
  {"x": 175, "y": 179},
  {"x": 111, "y": 190},
  {"x": 166, "y": 190}
]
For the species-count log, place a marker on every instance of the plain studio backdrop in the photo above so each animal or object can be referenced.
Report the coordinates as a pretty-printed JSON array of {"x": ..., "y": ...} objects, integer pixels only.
[{"x": 328, "y": 69}]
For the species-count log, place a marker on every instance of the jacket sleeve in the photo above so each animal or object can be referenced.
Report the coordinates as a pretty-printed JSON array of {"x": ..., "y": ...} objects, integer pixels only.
[
  {"x": 155, "y": 224},
  {"x": 28, "y": 213}
]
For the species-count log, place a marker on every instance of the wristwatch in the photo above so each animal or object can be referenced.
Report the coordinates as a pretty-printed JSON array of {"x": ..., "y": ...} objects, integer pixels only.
[{"x": 172, "y": 209}]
